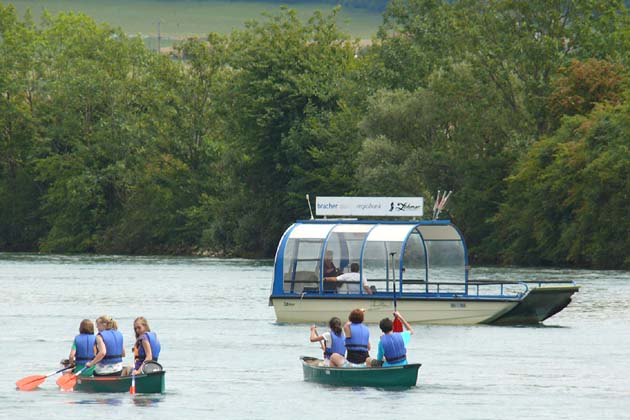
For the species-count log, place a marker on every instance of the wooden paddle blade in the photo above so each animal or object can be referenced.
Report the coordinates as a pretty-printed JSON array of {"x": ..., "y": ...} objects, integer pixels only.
[
  {"x": 398, "y": 325},
  {"x": 67, "y": 381},
  {"x": 30, "y": 382}
]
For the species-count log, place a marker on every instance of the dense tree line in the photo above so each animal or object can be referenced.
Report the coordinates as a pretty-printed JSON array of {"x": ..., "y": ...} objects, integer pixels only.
[{"x": 520, "y": 107}]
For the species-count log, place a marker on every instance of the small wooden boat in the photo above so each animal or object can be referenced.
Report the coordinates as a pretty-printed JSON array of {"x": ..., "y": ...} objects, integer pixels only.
[
  {"x": 379, "y": 377},
  {"x": 151, "y": 383}
]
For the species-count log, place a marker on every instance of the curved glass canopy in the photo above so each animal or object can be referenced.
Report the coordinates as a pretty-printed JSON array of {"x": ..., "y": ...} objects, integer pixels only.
[{"x": 419, "y": 257}]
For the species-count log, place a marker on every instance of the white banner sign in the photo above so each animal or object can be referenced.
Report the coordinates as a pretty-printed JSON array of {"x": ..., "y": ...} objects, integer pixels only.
[{"x": 368, "y": 206}]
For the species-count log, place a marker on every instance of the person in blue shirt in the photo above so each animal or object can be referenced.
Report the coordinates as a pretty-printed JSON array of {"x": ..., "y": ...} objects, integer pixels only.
[{"x": 392, "y": 348}]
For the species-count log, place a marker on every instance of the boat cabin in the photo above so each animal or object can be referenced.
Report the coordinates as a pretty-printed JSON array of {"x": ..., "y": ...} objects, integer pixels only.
[{"x": 405, "y": 257}]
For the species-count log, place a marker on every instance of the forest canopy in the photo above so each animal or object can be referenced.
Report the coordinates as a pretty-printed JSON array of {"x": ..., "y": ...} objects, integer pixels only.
[{"x": 519, "y": 107}]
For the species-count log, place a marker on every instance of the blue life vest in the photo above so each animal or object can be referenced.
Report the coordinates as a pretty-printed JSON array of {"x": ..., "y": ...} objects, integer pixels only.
[
  {"x": 114, "y": 344},
  {"x": 337, "y": 346},
  {"x": 360, "y": 337},
  {"x": 394, "y": 348},
  {"x": 84, "y": 347},
  {"x": 155, "y": 346}
]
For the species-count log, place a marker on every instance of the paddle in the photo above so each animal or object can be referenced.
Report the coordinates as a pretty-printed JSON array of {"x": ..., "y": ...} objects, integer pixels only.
[
  {"x": 398, "y": 326},
  {"x": 33, "y": 381},
  {"x": 67, "y": 382},
  {"x": 132, "y": 388}
]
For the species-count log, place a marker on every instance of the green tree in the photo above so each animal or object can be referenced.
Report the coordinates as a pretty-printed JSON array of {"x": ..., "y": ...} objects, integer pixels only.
[{"x": 286, "y": 87}]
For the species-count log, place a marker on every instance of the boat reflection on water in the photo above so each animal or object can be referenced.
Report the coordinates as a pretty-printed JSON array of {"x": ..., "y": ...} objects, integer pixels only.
[
  {"x": 105, "y": 401},
  {"x": 138, "y": 400}
]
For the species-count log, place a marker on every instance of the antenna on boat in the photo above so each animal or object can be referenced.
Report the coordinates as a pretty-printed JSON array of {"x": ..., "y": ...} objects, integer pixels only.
[{"x": 308, "y": 200}]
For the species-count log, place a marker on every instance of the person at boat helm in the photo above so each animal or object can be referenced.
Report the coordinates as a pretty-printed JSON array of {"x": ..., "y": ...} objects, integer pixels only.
[
  {"x": 351, "y": 280},
  {"x": 392, "y": 348},
  {"x": 357, "y": 339},
  {"x": 333, "y": 343},
  {"x": 109, "y": 348}
]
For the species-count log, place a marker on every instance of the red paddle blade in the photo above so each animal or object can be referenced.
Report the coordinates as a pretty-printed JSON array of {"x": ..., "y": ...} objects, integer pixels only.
[
  {"x": 132, "y": 389},
  {"x": 30, "y": 382},
  {"x": 398, "y": 325},
  {"x": 67, "y": 381}
]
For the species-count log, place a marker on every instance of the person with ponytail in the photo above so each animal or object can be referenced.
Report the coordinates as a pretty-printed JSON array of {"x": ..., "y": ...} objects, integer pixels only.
[
  {"x": 109, "y": 348},
  {"x": 333, "y": 343}
]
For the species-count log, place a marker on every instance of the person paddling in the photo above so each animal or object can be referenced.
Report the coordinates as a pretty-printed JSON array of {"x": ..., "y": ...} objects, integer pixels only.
[
  {"x": 83, "y": 348},
  {"x": 110, "y": 349},
  {"x": 357, "y": 339},
  {"x": 333, "y": 343},
  {"x": 392, "y": 348}
]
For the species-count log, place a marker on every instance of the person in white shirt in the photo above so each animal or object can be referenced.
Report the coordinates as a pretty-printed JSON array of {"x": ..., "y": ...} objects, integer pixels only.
[{"x": 351, "y": 281}]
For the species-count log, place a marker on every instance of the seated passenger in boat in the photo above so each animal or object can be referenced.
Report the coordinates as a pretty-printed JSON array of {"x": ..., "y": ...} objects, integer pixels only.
[
  {"x": 109, "y": 348},
  {"x": 392, "y": 348},
  {"x": 349, "y": 282},
  {"x": 333, "y": 343},
  {"x": 147, "y": 347},
  {"x": 357, "y": 339},
  {"x": 83, "y": 348},
  {"x": 330, "y": 271}
]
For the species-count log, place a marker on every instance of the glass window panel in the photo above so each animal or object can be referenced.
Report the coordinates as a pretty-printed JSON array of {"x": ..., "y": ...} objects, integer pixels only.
[
  {"x": 414, "y": 265},
  {"x": 446, "y": 265},
  {"x": 301, "y": 262}
]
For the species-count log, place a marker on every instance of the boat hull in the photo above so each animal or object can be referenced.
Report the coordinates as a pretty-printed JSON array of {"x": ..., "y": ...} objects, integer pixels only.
[
  {"x": 539, "y": 304},
  {"x": 431, "y": 311},
  {"x": 381, "y": 377},
  {"x": 152, "y": 383}
]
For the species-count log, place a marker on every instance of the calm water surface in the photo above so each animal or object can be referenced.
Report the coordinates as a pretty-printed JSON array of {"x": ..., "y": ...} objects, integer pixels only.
[{"x": 227, "y": 358}]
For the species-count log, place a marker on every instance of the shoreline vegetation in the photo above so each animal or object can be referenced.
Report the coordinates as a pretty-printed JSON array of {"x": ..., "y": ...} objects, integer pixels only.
[{"x": 520, "y": 108}]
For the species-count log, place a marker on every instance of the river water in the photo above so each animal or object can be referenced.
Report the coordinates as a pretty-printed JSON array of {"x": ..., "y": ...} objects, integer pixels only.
[{"x": 226, "y": 357}]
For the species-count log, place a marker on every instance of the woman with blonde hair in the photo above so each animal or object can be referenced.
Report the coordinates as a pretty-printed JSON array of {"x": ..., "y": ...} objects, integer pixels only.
[
  {"x": 147, "y": 347},
  {"x": 109, "y": 348}
]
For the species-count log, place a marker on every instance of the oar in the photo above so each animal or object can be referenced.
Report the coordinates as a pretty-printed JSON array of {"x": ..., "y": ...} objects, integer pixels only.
[
  {"x": 132, "y": 388},
  {"x": 33, "y": 381},
  {"x": 397, "y": 327},
  {"x": 67, "y": 382}
]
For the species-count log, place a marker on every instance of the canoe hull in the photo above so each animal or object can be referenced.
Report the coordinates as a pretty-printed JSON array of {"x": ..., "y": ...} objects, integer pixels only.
[
  {"x": 450, "y": 311},
  {"x": 388, "y": 377},
  {"x": 153, "y": 383}
]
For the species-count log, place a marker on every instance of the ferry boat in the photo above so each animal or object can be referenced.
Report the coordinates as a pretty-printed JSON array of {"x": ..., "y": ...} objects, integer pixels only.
[{"x": 419, "y": 266}]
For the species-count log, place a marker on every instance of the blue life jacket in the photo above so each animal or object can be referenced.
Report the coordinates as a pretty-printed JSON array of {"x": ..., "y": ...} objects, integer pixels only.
[
  {"x": 359, "y": 339},
  {"x": 84, "y": 347},
  {"x": 337, "y": 346},
  {"x": 155, "y": 346},
  {"x": 114, "y": 344},
  {"x": 394, "y": 348}
]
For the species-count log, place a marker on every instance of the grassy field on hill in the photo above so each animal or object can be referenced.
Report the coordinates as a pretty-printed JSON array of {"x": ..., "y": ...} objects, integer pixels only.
[{"x": 190, "y": 17}]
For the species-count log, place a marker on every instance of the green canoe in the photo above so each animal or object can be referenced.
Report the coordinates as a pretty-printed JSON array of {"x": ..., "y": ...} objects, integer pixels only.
[
  {"x": 152, "y": 383},
  {"x": 380, "y": 377}
]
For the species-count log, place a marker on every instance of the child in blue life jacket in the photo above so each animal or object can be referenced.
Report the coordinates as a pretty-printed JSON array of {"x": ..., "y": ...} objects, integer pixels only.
[
  {"x": 83, "y": 348},
  {"x": 333, "y": 343},
  {"x": 392, "y": 348}
]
